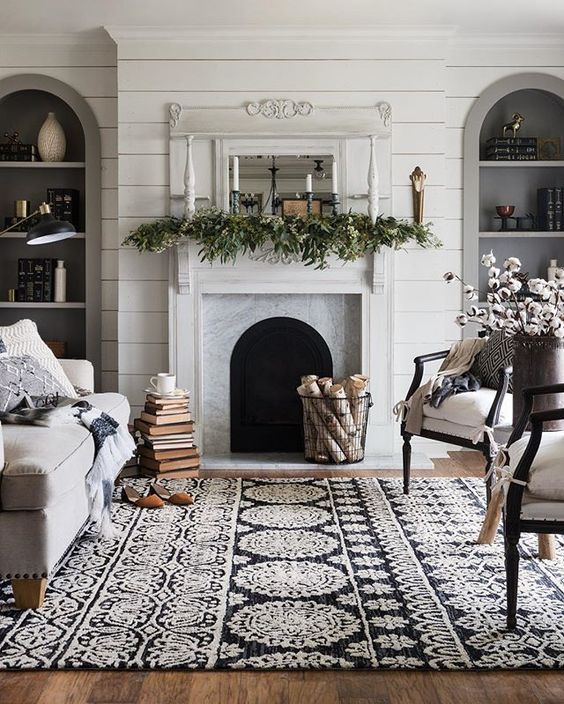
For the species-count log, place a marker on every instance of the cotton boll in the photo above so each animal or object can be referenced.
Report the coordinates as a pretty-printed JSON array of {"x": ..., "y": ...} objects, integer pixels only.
[
  {"x": 512, "y": 264},
  {"x": 488, "y": 259}
]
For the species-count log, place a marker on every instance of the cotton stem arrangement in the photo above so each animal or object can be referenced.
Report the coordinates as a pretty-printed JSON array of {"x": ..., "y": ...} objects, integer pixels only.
[{"x": 518, "y": 305}]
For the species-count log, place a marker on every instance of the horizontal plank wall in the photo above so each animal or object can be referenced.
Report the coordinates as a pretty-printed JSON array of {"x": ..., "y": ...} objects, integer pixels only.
[
  {"x": 91, "y": 69},
  {"x": 226, "y": 73},
  {"x": 430, "y": 83}
]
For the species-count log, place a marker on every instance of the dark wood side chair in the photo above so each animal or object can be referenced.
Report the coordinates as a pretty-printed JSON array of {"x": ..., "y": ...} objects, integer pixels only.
[
  {"x": 459, "y": 418},
  {"x": 530, "y": 509}
]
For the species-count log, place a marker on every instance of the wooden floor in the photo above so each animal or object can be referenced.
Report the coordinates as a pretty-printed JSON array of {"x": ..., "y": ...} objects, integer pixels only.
[{"x": 329, "y": 687}]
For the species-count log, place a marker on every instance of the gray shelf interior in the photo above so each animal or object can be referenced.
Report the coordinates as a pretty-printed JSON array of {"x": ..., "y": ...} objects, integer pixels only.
[{"x": 534, "y": 254}]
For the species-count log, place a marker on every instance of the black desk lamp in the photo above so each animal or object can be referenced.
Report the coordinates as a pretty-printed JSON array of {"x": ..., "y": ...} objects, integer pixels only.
[{"x": 47, "y": 230}]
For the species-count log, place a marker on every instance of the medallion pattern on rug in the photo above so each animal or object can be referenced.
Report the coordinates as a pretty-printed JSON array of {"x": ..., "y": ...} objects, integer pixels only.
[{"x": 290, "y": 573}]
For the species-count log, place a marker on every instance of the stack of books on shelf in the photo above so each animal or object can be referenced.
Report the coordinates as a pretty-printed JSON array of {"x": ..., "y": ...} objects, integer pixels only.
[
  {"x": 36, "y": 280},
  {"x": 549, "y": 209},
  {"x": 511, "y": 149},
  {"x": 167, "y": 443}
]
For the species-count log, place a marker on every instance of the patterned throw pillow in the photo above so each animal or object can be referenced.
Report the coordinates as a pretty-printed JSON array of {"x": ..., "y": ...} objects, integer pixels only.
[
  {"x": 22, "y": 338},
  {"x": 24, "y": 376},
  {"x": 495, "y": 355}
]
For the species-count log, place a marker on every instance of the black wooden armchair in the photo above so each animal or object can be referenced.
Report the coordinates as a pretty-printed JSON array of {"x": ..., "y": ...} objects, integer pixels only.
[
  {"x": 535, "y": 508},
  {"x": 467, "y": 420}
]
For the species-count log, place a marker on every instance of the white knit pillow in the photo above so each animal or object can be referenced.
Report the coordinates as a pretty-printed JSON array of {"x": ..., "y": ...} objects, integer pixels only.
[{"x": 22, "y": 338}]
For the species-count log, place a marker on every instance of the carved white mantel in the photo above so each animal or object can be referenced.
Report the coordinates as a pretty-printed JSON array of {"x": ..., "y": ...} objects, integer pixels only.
[{"x": 202, "y": 141}]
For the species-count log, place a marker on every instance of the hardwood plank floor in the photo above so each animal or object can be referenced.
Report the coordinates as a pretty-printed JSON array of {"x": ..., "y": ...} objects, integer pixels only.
[{"x": 310, "y": 687}]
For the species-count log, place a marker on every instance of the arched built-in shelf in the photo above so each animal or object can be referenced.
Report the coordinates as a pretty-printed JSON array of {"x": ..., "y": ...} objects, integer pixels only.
[
  {"x": 25, "y": 101},
  {"x": 540, "y": 99}
]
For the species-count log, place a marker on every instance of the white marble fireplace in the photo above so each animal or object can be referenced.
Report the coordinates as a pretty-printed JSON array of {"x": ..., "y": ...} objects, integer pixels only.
[{"x": 211, "y": 306}]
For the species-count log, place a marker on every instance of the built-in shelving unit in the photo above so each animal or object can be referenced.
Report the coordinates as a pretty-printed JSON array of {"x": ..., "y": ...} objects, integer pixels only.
[
  {"x": 24, "y": 104},
  {"x": 540, "y": 99}
]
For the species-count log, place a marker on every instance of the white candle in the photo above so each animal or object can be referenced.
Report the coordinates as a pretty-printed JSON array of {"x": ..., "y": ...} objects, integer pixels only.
[
  {"x": 334, "y": 180},
  {"x": 309, "y": 185},
  {"x": 235, "y": 173}
]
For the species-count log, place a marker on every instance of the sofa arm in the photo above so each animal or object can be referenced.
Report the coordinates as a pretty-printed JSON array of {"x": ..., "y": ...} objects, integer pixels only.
[{"x": 80, "y": 372}]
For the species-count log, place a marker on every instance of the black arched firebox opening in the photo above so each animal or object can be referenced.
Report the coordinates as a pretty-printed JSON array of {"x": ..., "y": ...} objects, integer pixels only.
[{"x": 266, "y": 366}]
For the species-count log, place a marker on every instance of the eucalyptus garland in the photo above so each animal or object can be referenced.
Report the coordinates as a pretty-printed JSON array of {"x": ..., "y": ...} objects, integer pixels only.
[{"x": 313, "y": 239}]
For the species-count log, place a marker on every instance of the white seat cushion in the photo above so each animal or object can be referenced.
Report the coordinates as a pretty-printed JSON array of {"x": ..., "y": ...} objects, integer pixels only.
[
  {"x": 546, "y": 476},
  {"x": 535, "y": 509},
  {"x": 470, "y": 409},
  {"x": 42, "y": 463}
]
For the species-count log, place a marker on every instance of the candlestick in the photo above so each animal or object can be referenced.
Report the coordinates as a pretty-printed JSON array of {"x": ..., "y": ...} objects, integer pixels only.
[
  {"x": 309, "y": 184},
  {"x": 235, "y": 202},
  {"x": 235, "y": 173},
  {"x": 309, "y": 203},
  {"x": 335, "y": 203},
  {"x": 334, "y": 178}
]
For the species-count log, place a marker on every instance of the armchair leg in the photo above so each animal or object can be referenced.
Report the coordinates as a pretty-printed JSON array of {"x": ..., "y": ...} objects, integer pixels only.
[
  {"x": 29, "y": 593},
  {"x": 512, "y": 573},
  {"x": 547, "y": 546},
  {"x": 406, "y": 452}
]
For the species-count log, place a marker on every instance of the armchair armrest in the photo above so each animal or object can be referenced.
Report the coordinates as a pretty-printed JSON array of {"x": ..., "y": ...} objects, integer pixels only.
[
  {"x": 419, "y": 367},
  {"x": 504, "y": 379},
  {"x": 528, "y": 398}
]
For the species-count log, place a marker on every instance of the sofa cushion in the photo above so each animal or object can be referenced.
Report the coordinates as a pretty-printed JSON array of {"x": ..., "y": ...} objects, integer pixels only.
[
  {"x": 546, "y": 475},
  {"x": 42, "y": 464},
  {"x": 471, "y": 409}
]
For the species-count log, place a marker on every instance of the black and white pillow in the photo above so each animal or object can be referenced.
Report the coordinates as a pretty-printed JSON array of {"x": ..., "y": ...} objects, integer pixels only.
[
  {"x": 24, "y": 376},
  {"x": 496, "y": 354}
]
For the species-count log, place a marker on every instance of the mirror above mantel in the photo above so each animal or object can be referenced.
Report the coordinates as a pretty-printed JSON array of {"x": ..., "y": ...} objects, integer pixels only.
[
  {"x": 276, "y": 184},
  {"x": 350, "y": 146}
]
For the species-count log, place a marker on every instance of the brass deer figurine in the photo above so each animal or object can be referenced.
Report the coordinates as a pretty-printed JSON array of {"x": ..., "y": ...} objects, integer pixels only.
[{"x": 514, "y": 125}]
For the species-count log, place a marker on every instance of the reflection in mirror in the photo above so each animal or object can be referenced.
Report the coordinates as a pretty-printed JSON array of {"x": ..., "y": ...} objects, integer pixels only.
[{"x": 276, "y": 185}]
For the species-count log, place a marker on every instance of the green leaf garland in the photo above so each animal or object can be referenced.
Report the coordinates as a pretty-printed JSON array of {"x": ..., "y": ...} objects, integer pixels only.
[{"x": 223, "y": 237}]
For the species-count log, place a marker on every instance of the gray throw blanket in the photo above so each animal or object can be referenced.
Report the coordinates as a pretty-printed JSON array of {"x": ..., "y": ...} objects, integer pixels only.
[
  {"x": 113, "y": 445},
  {"x": 452, "y": 385}
]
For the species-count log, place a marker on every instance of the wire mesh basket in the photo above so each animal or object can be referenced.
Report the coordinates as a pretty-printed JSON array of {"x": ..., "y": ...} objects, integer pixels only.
[{"x": 335, "y": 428}]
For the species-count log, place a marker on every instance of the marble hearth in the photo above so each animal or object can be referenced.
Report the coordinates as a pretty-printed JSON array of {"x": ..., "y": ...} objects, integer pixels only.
[{"x": 211, "y": 306}]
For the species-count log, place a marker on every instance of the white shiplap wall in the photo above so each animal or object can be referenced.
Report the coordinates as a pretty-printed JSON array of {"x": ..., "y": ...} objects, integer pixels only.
[
  {"x": 92, "y": 71},
  {"x": 430, "y": 85}
]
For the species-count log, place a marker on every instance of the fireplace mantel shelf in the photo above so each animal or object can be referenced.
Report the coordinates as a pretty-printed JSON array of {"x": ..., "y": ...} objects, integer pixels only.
[{"x": 264, "y": 271}]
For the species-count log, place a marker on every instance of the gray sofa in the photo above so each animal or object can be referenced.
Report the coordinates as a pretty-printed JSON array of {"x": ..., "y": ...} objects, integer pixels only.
[{"x": 43, "y": 496}]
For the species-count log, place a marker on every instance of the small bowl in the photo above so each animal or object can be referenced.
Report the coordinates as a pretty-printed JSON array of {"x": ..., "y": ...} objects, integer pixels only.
[{"x": 505, "y": 211}]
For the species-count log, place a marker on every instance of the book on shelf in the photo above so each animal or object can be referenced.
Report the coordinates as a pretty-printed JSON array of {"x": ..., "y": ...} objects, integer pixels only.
[
  {"x": 512, "y": 142},
  {"x": 175, "y": 428},
  {"x": 511, "y": 150},
  {"x": 173, "y": 474},
  {"x": 174, "y": 454},
  {"x": 18, "y": 152},
  {"x": 549, "y": 209},
  {"x": 169, "y": 465},
  {"x": 64, "y": 204},
  {"x": 511, "y": 157},
  {"x": 35, "y": 280},
  {"x": 166, "y": 419}
]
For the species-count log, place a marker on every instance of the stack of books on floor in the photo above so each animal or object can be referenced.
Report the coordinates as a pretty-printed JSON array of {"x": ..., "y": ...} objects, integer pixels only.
[
  {"x": 511, "y": 149},
  {"x": 167, "y": 447}
]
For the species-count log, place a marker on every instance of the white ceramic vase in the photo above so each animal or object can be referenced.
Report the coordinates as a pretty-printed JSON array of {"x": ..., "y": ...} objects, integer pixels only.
[{"x": 51, "y": 140}]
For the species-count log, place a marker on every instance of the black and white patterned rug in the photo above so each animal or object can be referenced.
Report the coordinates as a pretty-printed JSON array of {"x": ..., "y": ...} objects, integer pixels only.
[{"x": 314, "y": 573}]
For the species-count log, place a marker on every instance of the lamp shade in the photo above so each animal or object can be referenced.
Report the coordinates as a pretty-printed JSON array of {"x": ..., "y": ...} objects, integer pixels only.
[{"x": 49, "y": 229}]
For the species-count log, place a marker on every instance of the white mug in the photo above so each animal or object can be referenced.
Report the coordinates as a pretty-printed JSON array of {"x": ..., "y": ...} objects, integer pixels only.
[{"x": 164, "y": 383}]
